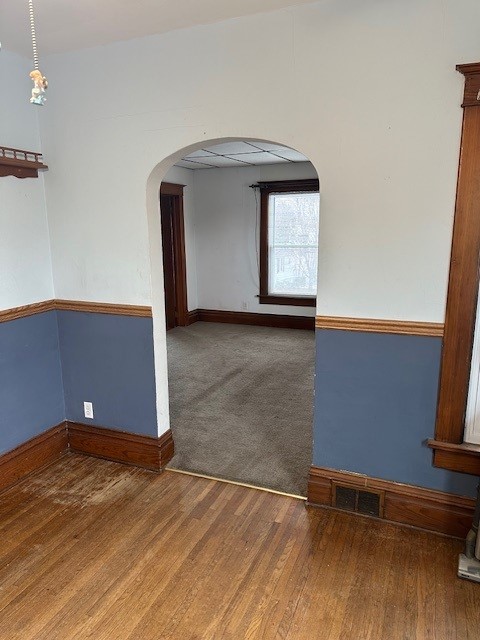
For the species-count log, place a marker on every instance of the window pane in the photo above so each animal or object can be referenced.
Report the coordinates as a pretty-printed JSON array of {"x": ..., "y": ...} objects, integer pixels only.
[{"x": 293, "y": 243}]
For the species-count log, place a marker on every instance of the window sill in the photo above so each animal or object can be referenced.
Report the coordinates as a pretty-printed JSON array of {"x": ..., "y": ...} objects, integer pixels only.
[
  {"x": 464, "y": 457},
  {"x": 294, "y": 301}
]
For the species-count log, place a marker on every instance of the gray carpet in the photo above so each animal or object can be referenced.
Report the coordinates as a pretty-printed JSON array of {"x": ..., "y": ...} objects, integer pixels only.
[{"x": 241, "y": 403}]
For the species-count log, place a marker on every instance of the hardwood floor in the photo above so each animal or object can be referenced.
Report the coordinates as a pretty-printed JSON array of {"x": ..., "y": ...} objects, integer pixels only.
[{"x": 95, "y": 549}]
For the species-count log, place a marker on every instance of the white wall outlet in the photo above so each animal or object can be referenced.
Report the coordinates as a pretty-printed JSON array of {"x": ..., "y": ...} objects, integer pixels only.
[
  {"x": 245, "y": 306},
  {"x": 88, "y": 409}
]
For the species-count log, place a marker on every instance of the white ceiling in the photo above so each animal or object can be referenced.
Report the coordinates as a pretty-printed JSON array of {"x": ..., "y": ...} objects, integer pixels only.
[
  {"x": 67, "y": 25},
  {"x": 240, "y": 154}
]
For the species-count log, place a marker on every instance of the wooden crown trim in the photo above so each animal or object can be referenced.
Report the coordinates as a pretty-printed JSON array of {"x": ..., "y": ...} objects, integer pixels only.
[
  {"x": 75, "y": 305},
  {"x": 370, "y": 325}
]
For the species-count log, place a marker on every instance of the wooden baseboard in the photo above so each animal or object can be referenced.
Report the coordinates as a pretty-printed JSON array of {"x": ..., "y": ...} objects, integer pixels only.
[
  {"x": 120, "y": 446},
  {"x": 129, "y": 448},
  {"x": 192, "y": 316},
  {"x": 32, "y": 455},
  {"x": 253, "y": 319},
  {"x": 405, "y": 504}
]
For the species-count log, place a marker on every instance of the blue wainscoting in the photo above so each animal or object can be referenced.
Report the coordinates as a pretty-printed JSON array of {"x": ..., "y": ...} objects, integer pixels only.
[
  {"x": 31, "y": 394},
  {"x": 108, "y": 360},
  {"x": 375, "y": 404}
]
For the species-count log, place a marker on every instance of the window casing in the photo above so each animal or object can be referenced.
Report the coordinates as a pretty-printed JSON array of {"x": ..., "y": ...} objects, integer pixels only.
[
  {"x": 450, "y": 449},
  {"x": 289, "y": 217}
]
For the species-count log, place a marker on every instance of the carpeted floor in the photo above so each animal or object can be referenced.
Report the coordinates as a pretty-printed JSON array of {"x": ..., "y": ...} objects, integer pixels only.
[{"x": 241, "y": 403}]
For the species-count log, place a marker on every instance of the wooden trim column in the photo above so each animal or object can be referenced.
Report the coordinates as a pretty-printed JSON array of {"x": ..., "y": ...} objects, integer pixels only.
[
  {"x": 176, "y": 190},
  {"x": 464, "y": 276}
]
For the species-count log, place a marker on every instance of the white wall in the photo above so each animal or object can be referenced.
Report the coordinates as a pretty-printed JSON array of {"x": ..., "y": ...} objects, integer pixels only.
[
  {"x": 25, "y": 266},
  {"x": 227, "y": 234},
  {"x": 178, "y": 175},
  {"x": 367, "y": 90}
]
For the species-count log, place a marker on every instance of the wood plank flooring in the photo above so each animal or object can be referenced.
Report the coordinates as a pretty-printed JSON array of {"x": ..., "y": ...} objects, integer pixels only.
[{"x": 95, "y": 549}]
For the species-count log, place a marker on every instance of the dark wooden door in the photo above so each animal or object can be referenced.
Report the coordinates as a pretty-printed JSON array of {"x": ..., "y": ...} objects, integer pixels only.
[{"x": 167, "y": 212}]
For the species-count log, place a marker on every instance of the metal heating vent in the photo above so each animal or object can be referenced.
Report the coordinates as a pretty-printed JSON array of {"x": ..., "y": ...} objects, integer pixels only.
[
  {"x": 369, "y": 503},
  {"x": 345, "y": 498}
]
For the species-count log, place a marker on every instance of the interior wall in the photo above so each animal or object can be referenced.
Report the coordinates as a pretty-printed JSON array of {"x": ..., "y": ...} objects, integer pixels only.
[
  {"x": 31, "y": 393},
  {"x": 384, "y": 143},
  {"x": 25, "y": 264},
  {"x": 227, "y": 219},
  {"x": 383, "y": 135}
]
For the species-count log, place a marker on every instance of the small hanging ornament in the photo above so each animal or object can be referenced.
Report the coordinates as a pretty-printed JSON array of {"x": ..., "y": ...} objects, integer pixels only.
[{"x": 40, "y": 83}]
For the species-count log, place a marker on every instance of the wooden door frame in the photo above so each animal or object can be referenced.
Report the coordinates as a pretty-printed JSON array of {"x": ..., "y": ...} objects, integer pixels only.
[{"x": 181, "y": 304}]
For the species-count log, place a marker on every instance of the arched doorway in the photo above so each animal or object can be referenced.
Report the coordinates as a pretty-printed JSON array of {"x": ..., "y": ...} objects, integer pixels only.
[{"x": 241, "y": 364}]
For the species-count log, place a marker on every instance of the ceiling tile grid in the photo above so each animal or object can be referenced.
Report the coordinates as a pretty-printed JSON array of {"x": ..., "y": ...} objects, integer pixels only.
[{"x": 240, "y": 153}]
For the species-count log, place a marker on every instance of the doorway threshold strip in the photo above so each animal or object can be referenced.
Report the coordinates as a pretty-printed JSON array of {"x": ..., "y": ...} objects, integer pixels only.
[{"x": 240, "y": 484}]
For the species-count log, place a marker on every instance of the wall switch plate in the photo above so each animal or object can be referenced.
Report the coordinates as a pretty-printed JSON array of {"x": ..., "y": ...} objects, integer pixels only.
[{"x": 88, "y": 409}]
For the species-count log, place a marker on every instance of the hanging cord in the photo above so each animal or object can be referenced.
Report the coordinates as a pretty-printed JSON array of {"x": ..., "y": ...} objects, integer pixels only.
[{"x": 34, "y": 37}]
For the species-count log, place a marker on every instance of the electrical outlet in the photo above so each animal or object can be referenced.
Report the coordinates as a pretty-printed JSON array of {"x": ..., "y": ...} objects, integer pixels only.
[
  {"x": 88, "y": 409},
  {"x": 245, "y": 305}
]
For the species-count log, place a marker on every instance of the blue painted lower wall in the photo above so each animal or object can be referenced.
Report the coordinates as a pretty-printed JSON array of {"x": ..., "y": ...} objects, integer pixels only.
[
  {"x": 108, "y": 360},
  {"x": 31, "y": 394},
  {"x": 375, "y": 394},
  {"x": 375, "y": 405}
]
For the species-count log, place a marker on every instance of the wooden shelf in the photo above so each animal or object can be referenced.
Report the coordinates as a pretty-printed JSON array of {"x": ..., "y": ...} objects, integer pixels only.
[{"x": 20, "y": 163}]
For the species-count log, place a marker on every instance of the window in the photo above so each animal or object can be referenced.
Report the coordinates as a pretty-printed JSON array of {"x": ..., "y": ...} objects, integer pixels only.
[{"x": 289, "y": 219}]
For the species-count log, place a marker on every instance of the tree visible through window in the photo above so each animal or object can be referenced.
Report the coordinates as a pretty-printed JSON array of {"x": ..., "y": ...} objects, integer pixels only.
[{"x": 289, "y": 242}]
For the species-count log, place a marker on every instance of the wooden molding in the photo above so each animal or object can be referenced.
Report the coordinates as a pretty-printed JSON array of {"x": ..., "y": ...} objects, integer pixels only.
[
  {"x": 129, "y": 448},
  {"x": 463, "y": 278},
  {"x": 174, "y": 254},
  {"x": 254, "y": 319},
  {"x": 192, "y": 316},
  {"x": 32, "y": 455},
  {"x": 104, "y": 307},
  {"x": 402, "y": 327},
  {"x": 20, "y": 163},
  {"x": 405, "y": 504},
  {"x": 171, "y": 189},
  {"x": 472, "y": 83},
  {"x": 279, "y": 186},
  {"x": 294, "y": 301},
  {"x": 27, "y": 310},
  {"x": 75, "y": 305},
  {"x": 463, "y": 457},
  {"x": 121, "y": 446}
]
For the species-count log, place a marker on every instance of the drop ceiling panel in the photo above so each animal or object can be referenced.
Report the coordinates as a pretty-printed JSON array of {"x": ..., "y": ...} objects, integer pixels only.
[
  {"x": 261, "y": 157},
  {"x": 240, "y": 153},
  {"x": 201, "y": 153},
  {"x": 268, "y": 146},
  {"x": 186, "y": 164},
  {"x": 221, "y": 161},
  {"x": 291, "y": 154},
  {"x": 229, "y": 148}
]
